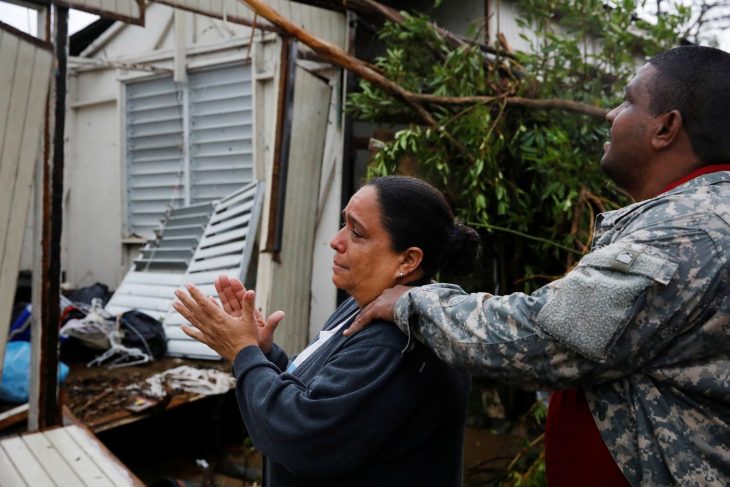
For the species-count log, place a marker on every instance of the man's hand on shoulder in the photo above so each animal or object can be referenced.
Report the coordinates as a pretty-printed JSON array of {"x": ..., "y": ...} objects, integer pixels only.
[{"x": 381, "y": 308}]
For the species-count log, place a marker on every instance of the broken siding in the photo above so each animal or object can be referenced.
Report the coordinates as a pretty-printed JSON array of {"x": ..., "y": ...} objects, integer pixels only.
[
  {"x": 290, "y": 280},
  {"x": 226, "y": 248},
  {"x": 24, "y": 82}
]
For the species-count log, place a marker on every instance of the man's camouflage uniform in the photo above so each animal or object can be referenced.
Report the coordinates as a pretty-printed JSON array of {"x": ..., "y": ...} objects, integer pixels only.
[{"x": 642, "y": 324}]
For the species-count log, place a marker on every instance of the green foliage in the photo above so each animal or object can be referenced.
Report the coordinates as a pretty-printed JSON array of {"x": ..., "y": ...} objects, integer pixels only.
[{"x": 528, "y": 178}]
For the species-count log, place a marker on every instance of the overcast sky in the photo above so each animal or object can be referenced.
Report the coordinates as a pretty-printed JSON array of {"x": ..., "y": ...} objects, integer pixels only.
[{"x": 25, "y": 20}]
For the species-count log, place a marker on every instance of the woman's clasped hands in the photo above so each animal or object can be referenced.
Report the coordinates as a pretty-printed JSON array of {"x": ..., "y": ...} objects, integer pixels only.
[{"x": 230, "y": 326}]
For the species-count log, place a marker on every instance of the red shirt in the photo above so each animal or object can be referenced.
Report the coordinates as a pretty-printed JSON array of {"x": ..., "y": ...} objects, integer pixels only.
[{"x": 575, "y": 454}]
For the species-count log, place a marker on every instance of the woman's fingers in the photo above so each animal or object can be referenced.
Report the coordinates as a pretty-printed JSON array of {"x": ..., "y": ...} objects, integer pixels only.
[
  {"x": 249, "y": 305},
  {"x": 227, "y": 294},
  {"x": 274, "y": 319},
  {"x": 186, "y": 306},
  {"x": 222, "y": 332},
  {"x": 193, "y": 333}
]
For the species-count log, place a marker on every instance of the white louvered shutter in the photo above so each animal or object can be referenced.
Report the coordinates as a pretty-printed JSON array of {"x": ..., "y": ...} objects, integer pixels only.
[
  {"x": 155, "y": 155},
  {"x": 221, "y": 157},
  {"x": 172, "y": 161}
]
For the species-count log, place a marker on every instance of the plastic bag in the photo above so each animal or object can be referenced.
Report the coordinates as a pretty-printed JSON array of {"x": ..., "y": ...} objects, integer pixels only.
[{"x": 16, "y": 373}]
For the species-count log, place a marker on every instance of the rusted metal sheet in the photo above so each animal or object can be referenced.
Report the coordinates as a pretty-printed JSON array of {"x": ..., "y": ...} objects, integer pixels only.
[
  {"x": 130, "y": 11},
  {"x": 24, "y": 81},
  {"x": 287, "y": 74}
]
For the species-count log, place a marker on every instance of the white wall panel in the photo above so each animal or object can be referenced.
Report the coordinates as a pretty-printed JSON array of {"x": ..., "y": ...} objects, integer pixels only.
[{"x": 24, "y": 82}]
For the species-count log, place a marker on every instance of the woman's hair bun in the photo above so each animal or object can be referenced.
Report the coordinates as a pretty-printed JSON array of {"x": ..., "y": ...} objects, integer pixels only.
[{"x": 464, "y": 251}]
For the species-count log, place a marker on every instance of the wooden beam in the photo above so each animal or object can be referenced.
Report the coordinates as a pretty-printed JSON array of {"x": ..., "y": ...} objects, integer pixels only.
[{"x": 49, "y": 413}]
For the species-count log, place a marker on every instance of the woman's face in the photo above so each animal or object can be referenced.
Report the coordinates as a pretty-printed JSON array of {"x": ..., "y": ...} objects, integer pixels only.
[{"x": 364, "y": 263}]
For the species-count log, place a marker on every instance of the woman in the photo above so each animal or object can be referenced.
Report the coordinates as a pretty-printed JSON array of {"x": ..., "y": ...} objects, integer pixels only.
[{"x": 373, "y": 409}]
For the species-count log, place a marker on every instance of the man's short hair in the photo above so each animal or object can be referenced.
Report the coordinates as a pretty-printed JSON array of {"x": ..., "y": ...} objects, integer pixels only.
[{"x": 696, "y": 81}]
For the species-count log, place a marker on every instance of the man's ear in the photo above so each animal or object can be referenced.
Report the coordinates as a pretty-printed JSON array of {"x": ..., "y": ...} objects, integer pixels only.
[{"x": 669, "y": 125}]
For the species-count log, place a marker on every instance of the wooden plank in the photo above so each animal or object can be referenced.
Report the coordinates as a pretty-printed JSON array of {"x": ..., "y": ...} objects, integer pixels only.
[
  {"x": 9, "y": 475},
  {"x": 28, "y": 466},
  {"x": 208, "y": 277},
  {"x": 221, "y": 249},
  {"x": 246, "y": 193},
  {"x": 232, "y": 211},
  {"x": 10, "y": 147},
  {"x": 138, "y": 302},
  {"x": 174, "y": 332},
  {"x": 216, "y": 263},
  {"x": 106, "y": 462},
  {"x": 235, "y": 234},
  {"x": 77, "y": 458},
  {"x": 13, "y": 416},
  {"x": 51, "y": 460},
  {"x": 29, "y": 151},
  {"x": 8, "y": 51},
  {"x": 226, "y": 225},
  {"x": 118, "y": 310},
  {"x": 165, "y": 292},
  {"x": 156, "y": 278},
  {"x": 190, "y": 348}
]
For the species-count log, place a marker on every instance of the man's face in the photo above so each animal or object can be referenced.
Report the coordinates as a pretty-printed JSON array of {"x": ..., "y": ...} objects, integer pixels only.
[{"x": 626, "y": 155}]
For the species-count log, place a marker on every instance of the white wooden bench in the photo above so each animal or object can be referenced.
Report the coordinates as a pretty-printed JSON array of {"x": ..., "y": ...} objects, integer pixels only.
[{"x": 64, "y": 456}]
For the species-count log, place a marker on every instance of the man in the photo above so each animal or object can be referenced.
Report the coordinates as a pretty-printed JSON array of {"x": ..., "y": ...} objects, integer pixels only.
[{"x": 636, "y": 338}]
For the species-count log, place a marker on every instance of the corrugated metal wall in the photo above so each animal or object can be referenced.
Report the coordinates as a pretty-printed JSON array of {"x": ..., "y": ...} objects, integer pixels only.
[
  {"x": 24, "y": 81},
  {"x": 290, "y": 279}
]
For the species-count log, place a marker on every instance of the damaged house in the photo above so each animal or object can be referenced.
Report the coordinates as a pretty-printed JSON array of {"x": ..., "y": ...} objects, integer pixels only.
[
  {"x": 190, "y": 107},
  {"x": 189, "y": 120}
]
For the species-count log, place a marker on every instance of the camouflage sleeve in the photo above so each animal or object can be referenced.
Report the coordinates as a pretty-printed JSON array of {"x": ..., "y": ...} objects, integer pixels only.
[
  {"x": 490, "y": 336},
  {"x": 611, "y": 314}
]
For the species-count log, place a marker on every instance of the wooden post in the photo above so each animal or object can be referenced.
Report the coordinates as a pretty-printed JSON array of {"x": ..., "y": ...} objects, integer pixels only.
[{"x": 46, "y": 412}]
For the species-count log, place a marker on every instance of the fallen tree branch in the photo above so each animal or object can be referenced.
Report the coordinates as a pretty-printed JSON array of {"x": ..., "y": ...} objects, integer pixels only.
[
  {"x": 337, "y": 56},
  {"x": 516, "y": 101}
]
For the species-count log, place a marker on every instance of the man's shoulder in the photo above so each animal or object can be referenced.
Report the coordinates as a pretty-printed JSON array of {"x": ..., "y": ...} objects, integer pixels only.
[{"x": 690, "y": 207}]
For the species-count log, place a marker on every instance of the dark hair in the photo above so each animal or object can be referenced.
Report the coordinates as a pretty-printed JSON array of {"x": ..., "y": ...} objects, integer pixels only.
[
  {"x": 415, "y": 214},
  {"x": 696, "y": 81}
]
